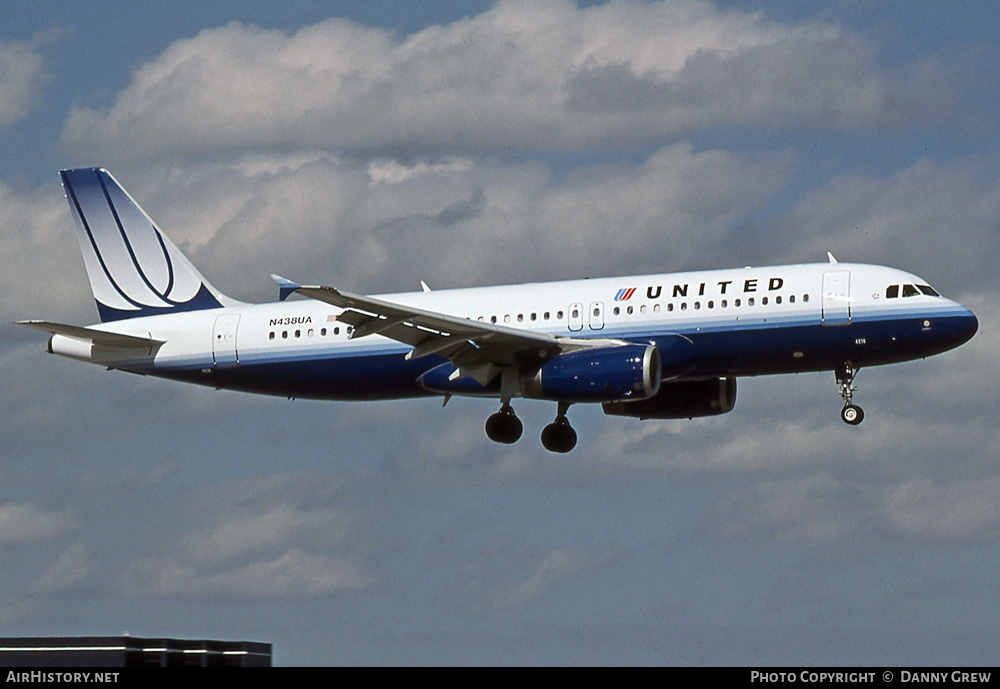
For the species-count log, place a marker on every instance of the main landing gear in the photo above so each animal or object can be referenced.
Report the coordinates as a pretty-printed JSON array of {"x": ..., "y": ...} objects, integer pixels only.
[
  {"x": 851, "y": 413},
  {"x": 504, "y": 427},
  {"x": 559, "y": 436}
]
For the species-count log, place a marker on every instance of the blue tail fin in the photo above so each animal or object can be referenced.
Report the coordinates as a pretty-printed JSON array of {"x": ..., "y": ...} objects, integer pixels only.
[{"x": 134, "y": 269}]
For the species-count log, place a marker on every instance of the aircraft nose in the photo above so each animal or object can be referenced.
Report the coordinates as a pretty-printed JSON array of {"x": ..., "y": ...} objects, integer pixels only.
[{"x": 969, "y": 325}]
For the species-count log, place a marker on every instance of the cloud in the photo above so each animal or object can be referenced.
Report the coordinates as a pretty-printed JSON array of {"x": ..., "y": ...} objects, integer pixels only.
[
  {"x": 909, "y": 218},
  {"x": 383, "y": 226},
  {"x": 946, "y": 510},
  {"x": 265, "y": 541},
  {"x": 290, "y": 574},
  {"x": 21, "y": 79},
  {"x": 554, "y": 567},
  {"x": 524, "y": 75},
  {"x": 72, "y": 566},
  {"x": 24, "y": 523}
]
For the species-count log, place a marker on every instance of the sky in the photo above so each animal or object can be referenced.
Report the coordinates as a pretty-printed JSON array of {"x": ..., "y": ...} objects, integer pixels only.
[{"x": 374, "y": 145}]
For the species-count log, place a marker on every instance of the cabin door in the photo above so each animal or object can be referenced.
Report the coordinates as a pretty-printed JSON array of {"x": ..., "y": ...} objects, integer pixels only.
[
  {"x": 837, "y": 297},
  {"x": 224, "y": 340},
  {"x": 597, "y": 315},
  {"x": 575, "y": 317}
]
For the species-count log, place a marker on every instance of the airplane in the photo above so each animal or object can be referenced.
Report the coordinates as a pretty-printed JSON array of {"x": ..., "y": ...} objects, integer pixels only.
[{"x": 666, "y": 346}]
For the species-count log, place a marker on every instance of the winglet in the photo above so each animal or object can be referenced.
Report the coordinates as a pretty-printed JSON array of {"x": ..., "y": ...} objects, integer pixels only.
[
  {"x": 285, "y": 286},
  {"x": 830, "y": 256}
]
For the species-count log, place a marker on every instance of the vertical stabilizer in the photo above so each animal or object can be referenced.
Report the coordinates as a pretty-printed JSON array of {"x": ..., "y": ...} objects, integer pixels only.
[{"x": 134, "y": 269}]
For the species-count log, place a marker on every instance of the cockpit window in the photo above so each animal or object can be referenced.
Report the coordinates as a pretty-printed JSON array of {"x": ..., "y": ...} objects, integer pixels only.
[
  {"x": 928, "y": 290},
  {"x": 892, "y": 291},
  {"x": 910, "y": 291}
]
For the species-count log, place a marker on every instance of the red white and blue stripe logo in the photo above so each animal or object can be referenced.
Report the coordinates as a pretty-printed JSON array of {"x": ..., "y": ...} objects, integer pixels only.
[{"x": 624, "y": 294}]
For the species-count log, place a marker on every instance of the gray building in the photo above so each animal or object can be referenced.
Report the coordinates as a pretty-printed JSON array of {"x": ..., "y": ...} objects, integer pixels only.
[{"x": 130, "y": 651}]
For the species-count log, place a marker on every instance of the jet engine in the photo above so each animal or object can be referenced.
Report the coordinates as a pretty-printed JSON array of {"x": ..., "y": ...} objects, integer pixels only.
[
  {"x": 681, "y": 400},
  {"x": 601, "y": 374}
]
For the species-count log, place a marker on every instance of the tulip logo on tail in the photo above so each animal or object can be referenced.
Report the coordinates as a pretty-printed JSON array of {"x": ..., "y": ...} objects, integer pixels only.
[{"x": 134, "y": 270}]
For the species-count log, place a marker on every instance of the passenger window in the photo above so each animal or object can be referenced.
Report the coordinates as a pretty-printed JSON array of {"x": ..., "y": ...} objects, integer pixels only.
[
  {"x": 892, "y": 292},
  {"x": 270, "y": 336}
]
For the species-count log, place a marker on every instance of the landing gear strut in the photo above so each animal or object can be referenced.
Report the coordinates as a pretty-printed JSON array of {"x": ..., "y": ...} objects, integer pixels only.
[
  {"x": 851, "y": 413},
  {"x": 504, "y": 426},
  {"x": 559, "y": 436}
]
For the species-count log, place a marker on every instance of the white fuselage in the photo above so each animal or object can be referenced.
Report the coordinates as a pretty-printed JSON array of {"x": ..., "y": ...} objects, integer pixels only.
[{"x": 745, "y": 321}]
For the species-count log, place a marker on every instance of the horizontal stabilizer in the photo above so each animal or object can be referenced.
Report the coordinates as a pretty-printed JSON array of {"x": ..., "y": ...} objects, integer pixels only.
[{"x": 97, "y": 337}]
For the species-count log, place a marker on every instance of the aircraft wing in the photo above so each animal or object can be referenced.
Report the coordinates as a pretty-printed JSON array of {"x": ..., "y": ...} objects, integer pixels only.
[{"x": 476, "y": 348}]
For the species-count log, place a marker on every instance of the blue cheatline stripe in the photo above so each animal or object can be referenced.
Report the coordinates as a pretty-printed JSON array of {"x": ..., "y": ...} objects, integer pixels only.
[{"x": 381, "y": 372}]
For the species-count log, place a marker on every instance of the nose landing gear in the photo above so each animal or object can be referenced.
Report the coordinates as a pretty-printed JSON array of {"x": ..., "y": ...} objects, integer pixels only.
[{"x": 851, "y": 413}]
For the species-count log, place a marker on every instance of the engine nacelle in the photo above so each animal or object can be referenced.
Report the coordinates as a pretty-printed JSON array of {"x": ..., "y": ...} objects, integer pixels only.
[
  {"x": 681, "y": 400},
  {"x": 605, "y": 374}
]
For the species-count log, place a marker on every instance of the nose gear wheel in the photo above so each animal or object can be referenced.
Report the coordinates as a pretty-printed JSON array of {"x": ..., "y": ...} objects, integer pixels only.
[{"x": 851, "y": 413}]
